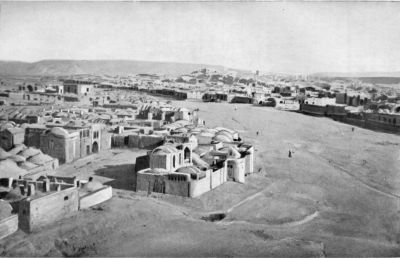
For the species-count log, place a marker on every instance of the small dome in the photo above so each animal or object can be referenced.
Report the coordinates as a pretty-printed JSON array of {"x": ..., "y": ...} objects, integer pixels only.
[
  {"x": 189, "y": 170},
  {"x": 61, "y": 132},
  {"x": 222, "y": 138},
  {"x": 40, "y": 159},
  {"x": 17, "y": 158},
  {"x": 164, "y": 149},
  {"x": 29, "y": 152},
  {"x": 9, "y": 168},
  {"x": 93, "y": 186}
]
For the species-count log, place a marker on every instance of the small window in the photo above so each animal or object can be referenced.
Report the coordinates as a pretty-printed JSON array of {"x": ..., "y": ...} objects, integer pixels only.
[{"x": 66, "y": 198}]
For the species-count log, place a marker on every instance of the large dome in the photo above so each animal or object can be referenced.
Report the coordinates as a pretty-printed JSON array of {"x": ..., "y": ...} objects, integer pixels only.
[{"x": 223, "y": 136}]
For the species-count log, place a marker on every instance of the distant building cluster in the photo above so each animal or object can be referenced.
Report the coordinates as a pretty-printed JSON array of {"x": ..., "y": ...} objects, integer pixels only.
[{"x": 46, "y": 122}]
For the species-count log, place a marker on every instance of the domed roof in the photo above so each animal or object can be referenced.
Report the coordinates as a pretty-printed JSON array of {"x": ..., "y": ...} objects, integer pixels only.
[
  {"x": 207, "y": 134},
  {"x": 184, "y": 110},
  {"x": 17, "y": 148},
  {"x": 4, "y": 154},
  {"x": 198, "y": 161},
  {"x": 93, "y": 186},
  {"x": 60, "y": 132},
  {"x": 9, "y": 168},
  {"x": 17, "y": 158},
  {"x": 224, "y": 129},
  {"x": 189, "y": 170},
  {"x": 164, "y": 149},
  {"x": 180, "y": 130},
  {"x": 29, "y": 152},
  {"x": 222, "y": 138},
  {"x": 40, "y": 159}
]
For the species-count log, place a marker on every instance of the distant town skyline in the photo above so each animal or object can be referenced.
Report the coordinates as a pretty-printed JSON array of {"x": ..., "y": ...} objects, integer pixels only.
[{"x": 286, "y": 37}]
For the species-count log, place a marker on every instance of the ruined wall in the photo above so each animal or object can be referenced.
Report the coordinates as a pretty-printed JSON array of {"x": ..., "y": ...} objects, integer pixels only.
[
  {"x": 34, "y": 213},
  {"x": 148, "y": 182},
  {"x": 6, "y": 141},
  {"x": 93, "y": 198},
  {"x": 8, "y": 226},
  {"x": 341, "y": 98},
  {"x": 218, "y": 177},
  {"x": 198, "y": 187},
  {"x": 85, "y": 145},
  {"x": 142, "y": 162},
  {"x": 145, "y": 141},
  {"x": 118, "y": 141},
  {"x": 18, "y": 138},
  {"x": 160, "y": 161},
  {"x": 249, "y": 160},
  {"x": 105, "y": 140},
  {"x": 57, "y": 150},
  {"x": 313, "y": 109},
  {"x": 32, "y": 137},
  {"x": 74, "y": 150},
  {"x": 180, "y": 188},
  {"x": 236, "y": 168}
]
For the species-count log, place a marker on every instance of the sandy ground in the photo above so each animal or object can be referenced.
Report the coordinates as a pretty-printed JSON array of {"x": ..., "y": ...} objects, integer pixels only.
[{"x": 337, "y": 196}]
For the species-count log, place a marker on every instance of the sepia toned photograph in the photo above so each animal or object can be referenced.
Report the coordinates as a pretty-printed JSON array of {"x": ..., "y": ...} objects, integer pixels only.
[{"x": 199, "y": 129}]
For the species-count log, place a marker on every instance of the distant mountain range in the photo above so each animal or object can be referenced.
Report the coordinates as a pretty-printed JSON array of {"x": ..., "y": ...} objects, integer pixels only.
[
  {"x": 109, "y": 67},
  {"x": 358, "y": 75}
]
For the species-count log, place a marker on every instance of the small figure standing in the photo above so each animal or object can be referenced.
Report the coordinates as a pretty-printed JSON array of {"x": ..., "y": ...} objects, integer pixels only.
[
  {"x": 352, "y": 129},
  {"x": 290, "y": 154},
  {"x": 257, "y": 133}
]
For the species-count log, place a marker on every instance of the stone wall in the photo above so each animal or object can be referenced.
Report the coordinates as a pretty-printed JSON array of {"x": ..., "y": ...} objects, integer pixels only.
[{"x": 34, "y": 213}]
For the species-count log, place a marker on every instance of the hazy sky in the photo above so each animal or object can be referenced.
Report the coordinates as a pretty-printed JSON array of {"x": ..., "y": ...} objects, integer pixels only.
[{"x": 269, "y": 36}]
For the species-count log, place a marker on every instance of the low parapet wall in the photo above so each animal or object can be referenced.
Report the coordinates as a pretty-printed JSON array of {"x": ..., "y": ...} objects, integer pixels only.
[
  {"x": 8, "y": 226},
  {"x": 93, "y": 198}
]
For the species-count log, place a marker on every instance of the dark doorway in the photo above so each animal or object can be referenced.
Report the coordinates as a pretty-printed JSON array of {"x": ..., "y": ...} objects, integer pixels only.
[
  {"x": 30, "y": 88},
  {"x": 186, "y": 154},
  {"x": 95, "y": 148}
]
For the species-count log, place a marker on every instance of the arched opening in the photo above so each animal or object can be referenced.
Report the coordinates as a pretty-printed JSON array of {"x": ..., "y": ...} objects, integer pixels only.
[
  {"x": 186, "y": 154},
  {"x": 95, "y": 147},
  {"x": 30, "y": 88},
  {"x": 173, "y": 161}
]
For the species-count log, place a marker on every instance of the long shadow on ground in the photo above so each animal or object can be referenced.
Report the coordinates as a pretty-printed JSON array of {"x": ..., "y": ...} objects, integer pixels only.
[{"x": 124, "y": 176}]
